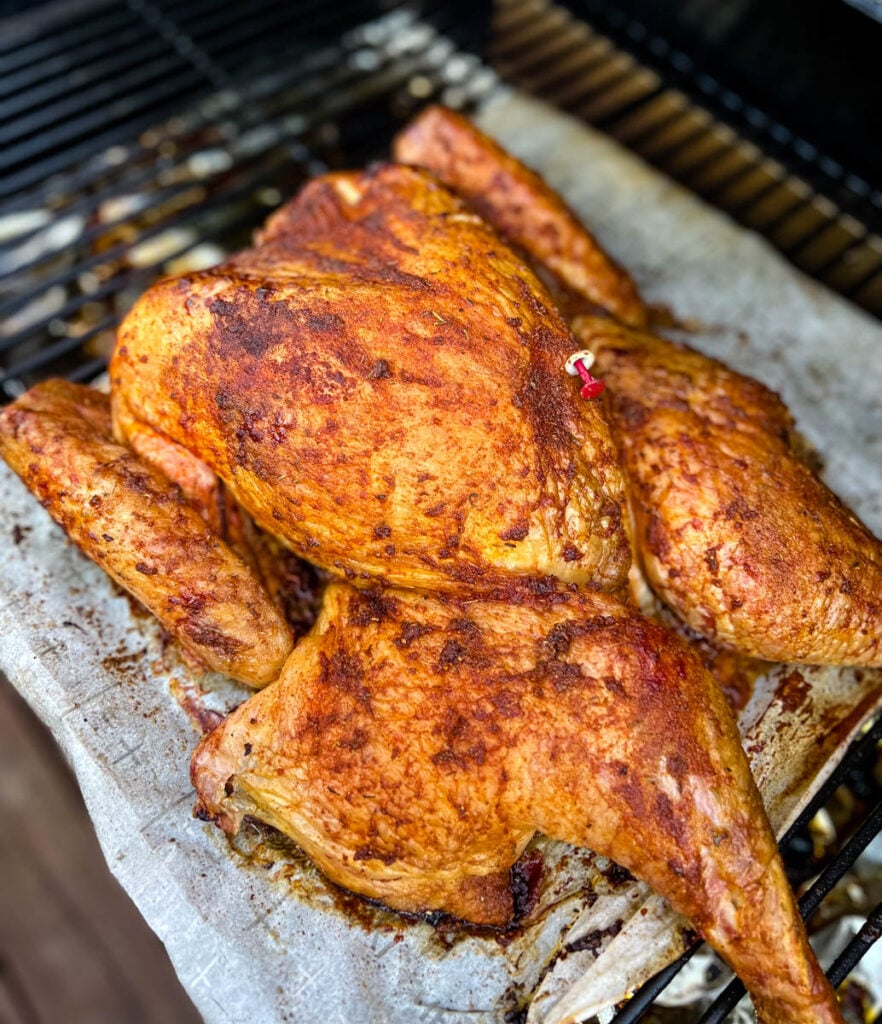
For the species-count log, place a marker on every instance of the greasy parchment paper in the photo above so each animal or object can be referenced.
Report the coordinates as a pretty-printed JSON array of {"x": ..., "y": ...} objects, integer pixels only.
[{"x": 257, "y": 935}]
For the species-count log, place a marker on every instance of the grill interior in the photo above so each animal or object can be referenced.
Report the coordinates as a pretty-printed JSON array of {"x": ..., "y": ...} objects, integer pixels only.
[
  {"x": 673, "y": 108},
  {"x": 143, "y": 138},
  {"x": 96, "y": 204}
]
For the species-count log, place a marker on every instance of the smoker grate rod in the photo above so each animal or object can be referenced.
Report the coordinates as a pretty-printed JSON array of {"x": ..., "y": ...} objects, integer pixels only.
[
  {"x": 850, "y": 957},
  {"x": 637, "y": 88},
  {"x": 33, "y": 86},
  {"x": 47, "y": 149},
  {"x": 66, "y": 39},
  {"x": 54, "y": 125}
]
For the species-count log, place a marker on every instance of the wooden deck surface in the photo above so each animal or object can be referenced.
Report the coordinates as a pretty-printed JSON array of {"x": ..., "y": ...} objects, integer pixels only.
[{"x": 73, "y": 948}]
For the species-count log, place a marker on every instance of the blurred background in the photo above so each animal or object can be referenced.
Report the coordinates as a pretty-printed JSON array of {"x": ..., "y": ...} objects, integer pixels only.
[{"x": 141, "y": 138}]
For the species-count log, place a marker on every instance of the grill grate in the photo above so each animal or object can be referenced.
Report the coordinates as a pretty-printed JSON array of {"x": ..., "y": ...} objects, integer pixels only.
[
  {"x": 109, "y": 179},
  {"x": 86, "y": 242},
  {"x": 655, "y": 100}
]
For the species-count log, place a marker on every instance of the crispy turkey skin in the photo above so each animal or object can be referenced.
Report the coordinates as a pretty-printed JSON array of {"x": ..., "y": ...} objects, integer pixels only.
[
  {"x": 378, "y": 383},
  {"x": 414, "y": 744},
  {"x": 139, "y": 528},
  {"x": 521, "y": 206},
  {"x": 733, "y": 531}
]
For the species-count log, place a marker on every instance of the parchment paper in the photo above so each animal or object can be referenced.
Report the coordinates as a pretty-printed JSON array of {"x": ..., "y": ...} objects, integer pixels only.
[{"x": 259, "y": 936}]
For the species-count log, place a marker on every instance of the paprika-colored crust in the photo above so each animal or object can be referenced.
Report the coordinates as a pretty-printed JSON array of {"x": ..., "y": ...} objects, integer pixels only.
[
  {"x": 140, "y": 529},
  {"x": 734, "y": 531},
  {"x": 414, "y": 744},
  {"x": 379, "y": 382},
  {"x": 518, "y": 203}
]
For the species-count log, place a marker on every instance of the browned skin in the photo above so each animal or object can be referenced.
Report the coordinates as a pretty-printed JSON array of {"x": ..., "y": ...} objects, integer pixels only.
[
  {"x": 732, "y": 529},
  {"x": 521, "y": 207},
  {"x": 139, "y": 528},
  {"x": 379, "y": 384},
  {"x": 736, "y": 534},
  {"x": 198, "y": 484},
  {"x": 271, "y": 563},
  {"x": 401, "y": 748}
]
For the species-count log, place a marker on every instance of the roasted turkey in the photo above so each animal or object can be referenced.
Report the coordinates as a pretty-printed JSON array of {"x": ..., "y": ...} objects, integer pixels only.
[{"x": 378, "y": 386}]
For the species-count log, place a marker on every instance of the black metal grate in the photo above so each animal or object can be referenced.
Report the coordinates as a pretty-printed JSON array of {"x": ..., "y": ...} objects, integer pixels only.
[
  {"x": 90, "y": 221},
  {"x": 139, "y": 138},
  {"x": 673, "y": 108}
]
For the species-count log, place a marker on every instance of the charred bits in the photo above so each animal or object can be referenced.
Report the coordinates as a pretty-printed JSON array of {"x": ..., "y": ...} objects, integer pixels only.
[
  {"x": 518, "y": 531},
  {"x": 371, "y": 606},
  {"x": 380, "y": 370},
  {"x": 452, "y": 654},
  {"x": 560, "y": 637},
  {"x": 526, "y": 881},
  {"x": 593, "y": 941},
  {"x": 464, "y": 646},
  {"x": 249, "y": 321},
  {"x": 412, "y": 631},
  {"x": 345, "y": 673}
]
